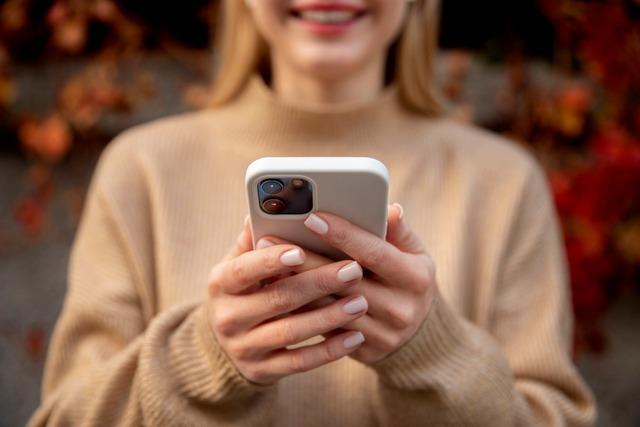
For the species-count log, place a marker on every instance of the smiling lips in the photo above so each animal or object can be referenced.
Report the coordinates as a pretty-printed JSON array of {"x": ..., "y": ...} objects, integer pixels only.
[{"x": 327, "y": 18}]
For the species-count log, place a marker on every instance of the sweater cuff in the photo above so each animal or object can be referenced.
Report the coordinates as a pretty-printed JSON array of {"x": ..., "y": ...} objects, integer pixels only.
[
  {"x": 217, "y": 379},
  {"x": 428, "y": 351}
]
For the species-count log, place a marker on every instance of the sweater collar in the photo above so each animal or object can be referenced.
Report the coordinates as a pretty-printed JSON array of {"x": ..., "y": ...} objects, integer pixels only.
[{"x": 273, "y": 121}]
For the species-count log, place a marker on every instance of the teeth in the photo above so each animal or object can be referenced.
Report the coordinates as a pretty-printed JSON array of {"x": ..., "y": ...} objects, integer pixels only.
[{"x": 327, "y": 16}]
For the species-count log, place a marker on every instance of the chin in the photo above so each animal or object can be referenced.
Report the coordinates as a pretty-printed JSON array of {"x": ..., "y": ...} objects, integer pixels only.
[{"x": 330, "y": 64}]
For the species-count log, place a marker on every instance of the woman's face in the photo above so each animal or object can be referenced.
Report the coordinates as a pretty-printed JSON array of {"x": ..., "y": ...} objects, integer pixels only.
[{"x": 328, "y": 38}]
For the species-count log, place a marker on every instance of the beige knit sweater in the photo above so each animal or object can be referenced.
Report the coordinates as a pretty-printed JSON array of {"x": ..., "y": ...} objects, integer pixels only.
[{"x": 132, "y": 345}]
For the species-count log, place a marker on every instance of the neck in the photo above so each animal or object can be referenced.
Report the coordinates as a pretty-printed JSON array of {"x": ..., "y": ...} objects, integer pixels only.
[
  {"x": 302, "y": 89},
  {"x": 276, "y": 123}
]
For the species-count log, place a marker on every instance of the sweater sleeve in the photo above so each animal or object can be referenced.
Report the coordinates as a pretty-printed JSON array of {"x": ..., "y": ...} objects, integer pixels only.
[
  {"x": 111, "y": 364},
  {"x": 518, "y": 371}
]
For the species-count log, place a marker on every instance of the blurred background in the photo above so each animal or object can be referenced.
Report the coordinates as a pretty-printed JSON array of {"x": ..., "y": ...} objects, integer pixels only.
[{"x": 560, "y": 77}]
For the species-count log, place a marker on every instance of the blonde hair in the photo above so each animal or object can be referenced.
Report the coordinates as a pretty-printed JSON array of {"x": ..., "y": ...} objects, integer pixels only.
[{"x": 241, "y": 51}]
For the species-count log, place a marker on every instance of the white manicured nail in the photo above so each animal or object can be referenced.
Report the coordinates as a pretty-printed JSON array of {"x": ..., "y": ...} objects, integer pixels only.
[
  {"x": 399, "y": 206},
  {"x": 350, "y": 272},
  {"x": 292, "y": 257},
  {"x": 356, "y": 306},
  {"x": 264, "y": 243},
  {"x": 317, "y": 224},
  {"x": 353, "y": 340}
]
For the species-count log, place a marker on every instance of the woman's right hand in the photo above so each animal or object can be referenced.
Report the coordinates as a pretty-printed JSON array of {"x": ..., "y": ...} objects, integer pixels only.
[{"x": 252, "y": 323}]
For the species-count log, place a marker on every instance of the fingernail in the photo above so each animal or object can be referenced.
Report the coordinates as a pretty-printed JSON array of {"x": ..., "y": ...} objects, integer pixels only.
[
  {"x": 353, "y": 340},
  {"x": 399, "y": 206},
  {"x": 356, "y": 305},
  {"x": 292, "y": 257},
  {"x": 350, "y": 272},
  {"x": 317, "y": 224},
  {"x": 264, "y": 243}
]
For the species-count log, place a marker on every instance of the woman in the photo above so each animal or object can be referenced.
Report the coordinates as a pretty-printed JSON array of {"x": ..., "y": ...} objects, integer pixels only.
[{"x": 163, "y": 322}]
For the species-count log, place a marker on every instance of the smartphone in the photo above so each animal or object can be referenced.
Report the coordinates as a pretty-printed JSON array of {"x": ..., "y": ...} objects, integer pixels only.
[{"x": 283, "y": 191}]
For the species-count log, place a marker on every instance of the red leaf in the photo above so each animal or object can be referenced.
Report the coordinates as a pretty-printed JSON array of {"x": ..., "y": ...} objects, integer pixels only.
[{"x": 34, "y": 343}]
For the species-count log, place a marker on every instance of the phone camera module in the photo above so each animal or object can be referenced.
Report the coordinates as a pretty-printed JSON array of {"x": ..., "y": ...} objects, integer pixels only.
[
  {"x": 273, "y": 205},
  {"x": 285, "y": 195},
  {"x": 272, "y": 186}
]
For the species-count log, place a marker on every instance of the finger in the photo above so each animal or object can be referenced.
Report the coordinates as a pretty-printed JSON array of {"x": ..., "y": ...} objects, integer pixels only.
[
  {"x": 364, "y": 287},
  {"x": 369, "y": 250},
  {"x": 335, "y": 332},
  {"x": 378, "y": 335},
  {"x": 386, "y": 304},
  {"x": 243, "y": 242},
  {"x": 298, "y": 328},
  {"x": 286, "y": 362},
  {"x": 400, "y": 234},
  {"x": 236, "y": 275},
  {"x": 293, "y": 292},
  {"x": 317, "y": 303},
  {"x": 313, "y": 259}
]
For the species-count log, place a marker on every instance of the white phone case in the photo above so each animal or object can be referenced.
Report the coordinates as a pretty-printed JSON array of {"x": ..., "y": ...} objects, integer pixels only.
[{"x": 355, "y": 188}]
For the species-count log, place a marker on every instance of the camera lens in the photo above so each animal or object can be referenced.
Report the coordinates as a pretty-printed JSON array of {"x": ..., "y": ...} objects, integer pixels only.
[
  {"x": 271, "y": 186},
  {"x": 298, "y": 183},
  {"x": 273, "y": 205}
]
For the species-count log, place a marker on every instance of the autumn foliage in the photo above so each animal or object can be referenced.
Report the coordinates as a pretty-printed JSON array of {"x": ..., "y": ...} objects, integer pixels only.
[{"x": 585, "y": 128}]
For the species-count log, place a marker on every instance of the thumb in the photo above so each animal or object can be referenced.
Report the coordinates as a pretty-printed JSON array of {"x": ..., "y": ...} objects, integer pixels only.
[
  {"x": 244, "y": 242},
  {"x": 398, "y": 232}
]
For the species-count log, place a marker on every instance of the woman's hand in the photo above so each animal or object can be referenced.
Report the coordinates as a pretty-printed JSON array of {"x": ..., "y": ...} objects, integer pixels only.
[
  {"x": 248, "y": 320},
  {"x": 399, "y": 291}
]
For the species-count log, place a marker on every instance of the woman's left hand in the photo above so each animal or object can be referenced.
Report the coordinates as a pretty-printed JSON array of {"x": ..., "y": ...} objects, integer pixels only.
[{"x": 399, "y": 288}]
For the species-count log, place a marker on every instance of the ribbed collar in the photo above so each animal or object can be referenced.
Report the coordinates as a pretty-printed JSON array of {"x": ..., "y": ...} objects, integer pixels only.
[{"x": 272, "y": 122}]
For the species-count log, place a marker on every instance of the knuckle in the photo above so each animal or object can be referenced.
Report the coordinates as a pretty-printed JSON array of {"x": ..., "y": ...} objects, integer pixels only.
[
  {"x": 329, "y": 353},
  {"x": 213, "y": 280},
  {"x": 224, "y": 322},
  {"x": 254, "y": 372},
  {"x": 423, "y": 279},
  {"x": 340, "y": 237},
  {"x": 278, "y": 299},
  {"x": 375, "y": 254},
  {"x": 323, "y": 281},
  {"x": 242, "y": 350},
  {"x": 389, "y": 342},
  {"x": 411, "y": 313},
  {"x": 298, "y": 362},
  {"x": 330, "y": 319},
  {"x": 238, "y": 270},
  {"x": 270, "y": 261},
  {"x": 285, "y": 334},
  {"x": 399, "y": 318},
  {"x": 236, "y": 351},
  {"x": 365, "y": 355}
]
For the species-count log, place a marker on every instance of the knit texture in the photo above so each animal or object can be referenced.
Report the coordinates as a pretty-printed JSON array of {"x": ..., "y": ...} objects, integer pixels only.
[{"x": 133, "y": 345}]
